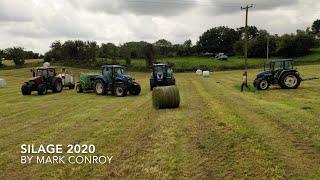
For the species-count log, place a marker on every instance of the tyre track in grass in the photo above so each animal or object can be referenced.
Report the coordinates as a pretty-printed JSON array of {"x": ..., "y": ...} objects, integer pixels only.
[
  {"x": 294, "y": 119},
  {"x": 85, "y": 133},
  {"x": 162, "y": 149},
  {"x": 173, "y": 153},
  {"x": 241, "y": 152},
  {"x": 301, "y": 160}
]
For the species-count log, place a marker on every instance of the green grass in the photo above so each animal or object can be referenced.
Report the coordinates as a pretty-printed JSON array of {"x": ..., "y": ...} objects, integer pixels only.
[
  {"x": 217, "y": 132},
  {"x": 187, "y": 64}
]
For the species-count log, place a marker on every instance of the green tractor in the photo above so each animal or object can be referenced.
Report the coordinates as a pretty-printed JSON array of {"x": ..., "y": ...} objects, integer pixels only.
[
  {"x": 161, "y": 75},
  {"x": 111, "y": 80},
  {"x": 282, "y": 73}
]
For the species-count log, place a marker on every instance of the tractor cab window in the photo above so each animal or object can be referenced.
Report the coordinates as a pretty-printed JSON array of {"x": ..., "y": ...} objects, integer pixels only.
[
  {"x": 118, "y": 71},
  {"x": 51, "y": 72},
  {"x": 276, "y": 66},
  {"x": 159, "y": 69},
  {"x": 42, "y": 72},
  {"x": 288, "y": 65},
  {"x": 107, "y": 72}
]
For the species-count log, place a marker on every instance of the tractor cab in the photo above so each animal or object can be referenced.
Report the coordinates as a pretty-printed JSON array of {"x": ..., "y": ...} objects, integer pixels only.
[
  {"x": 281, "y": 72},
  {"x": 115, "y": 73},
  {"x": 161, "y": 75},
  {"x": 44, "y": 72},
  {"x": 279, "y": 65}
]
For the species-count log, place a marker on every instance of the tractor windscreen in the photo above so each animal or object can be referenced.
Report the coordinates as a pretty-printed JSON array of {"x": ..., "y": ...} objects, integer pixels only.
[
  {"x": 41, "y": 72},
  {"x": 159, "y": 69},
  {"x": 119, "y": 71}
]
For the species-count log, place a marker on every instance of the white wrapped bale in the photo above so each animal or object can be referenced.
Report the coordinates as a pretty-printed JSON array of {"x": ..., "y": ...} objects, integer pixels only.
[
  {"x": 199, "y": 72},
  {"x": 2, "y": 83},
  {"x": 46, "y": 64},
  {"x": 166, "y": 97},
  {"x": 206, "y": 73}
]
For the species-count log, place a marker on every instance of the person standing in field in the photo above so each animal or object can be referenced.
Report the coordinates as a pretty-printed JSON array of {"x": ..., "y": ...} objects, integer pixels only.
[{"x": 245, "y": 81}]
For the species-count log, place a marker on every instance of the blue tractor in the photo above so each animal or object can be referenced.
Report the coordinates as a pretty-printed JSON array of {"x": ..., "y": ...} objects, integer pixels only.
[
  {"x": 161, "y": 75},
  {"x": 113, "y": 79},
  {"x": 282, "y": 73}
]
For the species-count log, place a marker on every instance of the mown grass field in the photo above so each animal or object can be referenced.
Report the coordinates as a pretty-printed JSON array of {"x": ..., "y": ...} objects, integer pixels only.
[{"x": 217, "y": 133}]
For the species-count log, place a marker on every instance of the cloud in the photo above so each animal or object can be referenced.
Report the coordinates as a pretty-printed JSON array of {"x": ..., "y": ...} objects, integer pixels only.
[
  {"x": 14, "y": 12},
  {"x": 34, "y": 24},
  {"x": 137, "y": 7}
]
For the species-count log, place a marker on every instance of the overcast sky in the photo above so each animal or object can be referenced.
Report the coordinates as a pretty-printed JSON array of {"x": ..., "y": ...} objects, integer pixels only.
[{"x": 34, "y": 24}]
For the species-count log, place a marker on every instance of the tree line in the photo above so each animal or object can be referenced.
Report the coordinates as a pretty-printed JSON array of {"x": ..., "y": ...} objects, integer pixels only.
[
  {"x": 216, "y": 40},
  {"x": 18, "y": 55}
]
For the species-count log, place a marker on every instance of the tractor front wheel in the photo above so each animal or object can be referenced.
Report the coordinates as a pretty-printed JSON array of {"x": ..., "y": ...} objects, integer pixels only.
[
  {"x": 120, "y": 90},
  {"x": 262, "y": 84},
  {"x": 26, "y": 89},
  {"x": 100, "y": 89},
  {"x": 290, "y": 80},
  {"x": 57, "y": 88},
  {"x": 42, "y": 89},
  {"x": 136, "y": 89}
]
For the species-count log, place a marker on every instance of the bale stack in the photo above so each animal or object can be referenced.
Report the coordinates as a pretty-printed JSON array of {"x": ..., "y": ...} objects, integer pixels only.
[
  {"x": 2, "y": 83},
  {"x": 166, "y": 97}
]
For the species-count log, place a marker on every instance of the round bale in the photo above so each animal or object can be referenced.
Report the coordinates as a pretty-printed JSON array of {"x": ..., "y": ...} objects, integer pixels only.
[
  {"x": 199, "y": 72},
  {"x": 2, "y": 83},
  {"x": 206, "y": 73},
  {"x": 166, "y": 97}
]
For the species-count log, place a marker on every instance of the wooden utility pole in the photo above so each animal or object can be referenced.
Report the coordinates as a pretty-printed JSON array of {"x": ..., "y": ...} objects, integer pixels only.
[{"x": 246, "y": 38}]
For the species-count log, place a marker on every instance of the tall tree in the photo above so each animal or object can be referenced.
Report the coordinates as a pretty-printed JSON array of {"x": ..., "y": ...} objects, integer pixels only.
[
  {"x": 109, "y": 50},
  {"x": 253, "y": 32},
  {"x": 218, "y": 40},
  {"x": 164, "y": 47},
  {"x": 316, "y": 27},
  {"x": 1, "y": 56},
  {"x": 126, "y": 53},
  {"x": 149, "y": 54},
  {"x": 17, "y": 54}
]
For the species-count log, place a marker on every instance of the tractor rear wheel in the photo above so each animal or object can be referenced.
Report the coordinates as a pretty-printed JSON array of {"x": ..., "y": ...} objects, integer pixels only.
[
  {"x": 262, "y": 84},
  {"x": 26, "y": 89},
  {"x": 289, "y": 80},
  {"x": 42, "y": 89},
  {"x": 100, "y": 88},
  {"x": 136, "y": 89},
  {"x": 79, "y": 88},
  {"x": 57, "y": 87},
  {"x": 120, "y": 90}
]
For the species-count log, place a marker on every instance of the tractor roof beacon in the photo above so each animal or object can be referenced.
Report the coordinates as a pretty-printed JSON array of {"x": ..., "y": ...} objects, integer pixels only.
[
  {"x": 282, "y": 73},
  {"x": 161, "y": 75},
  {"x": 111, "y": 79},
  {"x": 43, "y": 79}
]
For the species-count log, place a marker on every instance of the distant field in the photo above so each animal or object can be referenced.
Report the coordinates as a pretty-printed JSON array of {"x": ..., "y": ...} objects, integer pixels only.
[
  {"x": 217, "y": 133},
  {"x": 28, "y": 61},
  {"x": 188, "y": 64},
  {"x": 185, "y": 64}
]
